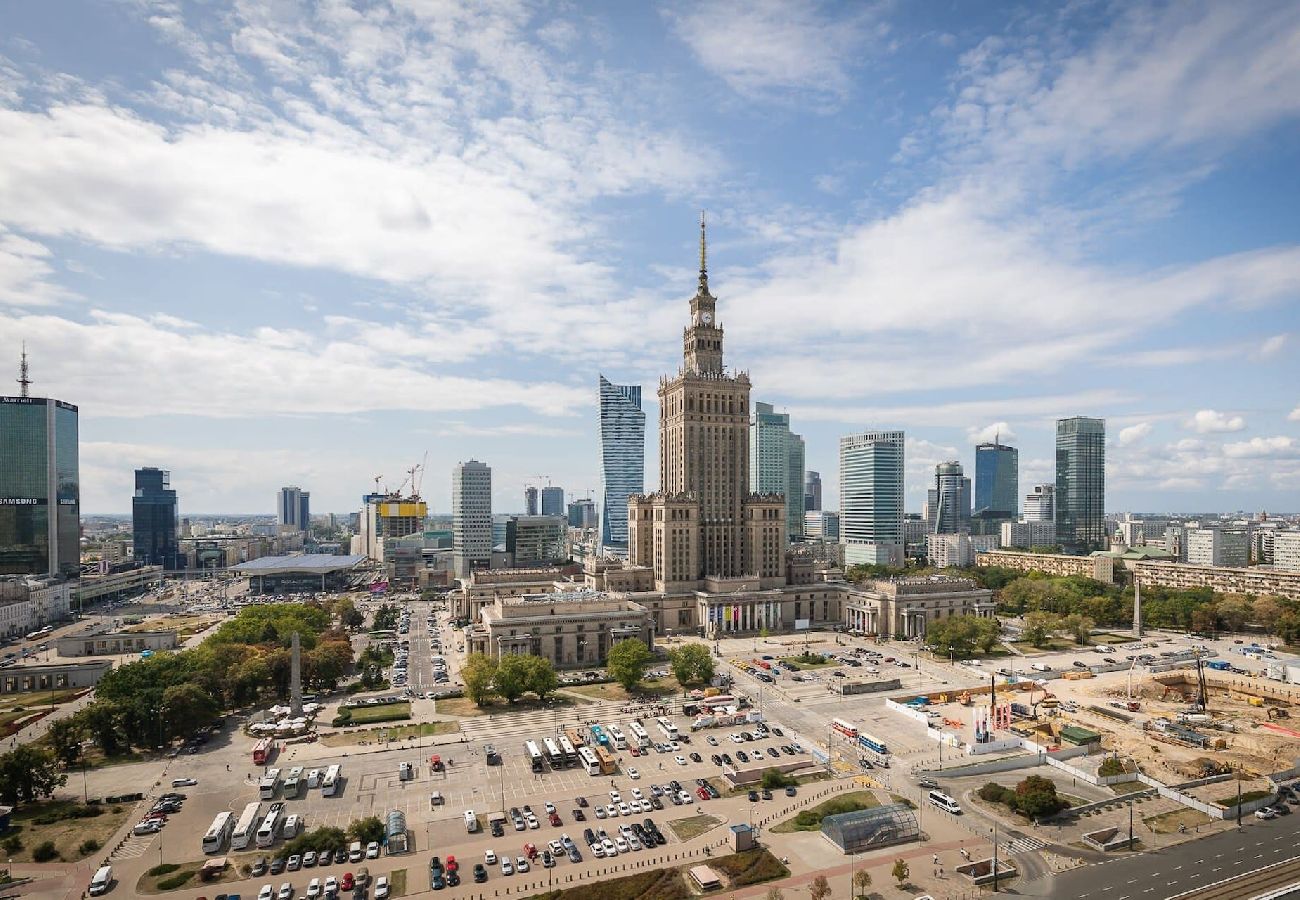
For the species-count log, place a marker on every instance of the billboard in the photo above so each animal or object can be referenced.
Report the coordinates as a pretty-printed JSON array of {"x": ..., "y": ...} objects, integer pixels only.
[{"x": 802, "y": 624}]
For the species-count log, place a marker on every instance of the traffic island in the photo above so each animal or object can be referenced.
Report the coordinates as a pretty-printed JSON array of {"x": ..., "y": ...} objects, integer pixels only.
[{"x": 981, "y": 871}]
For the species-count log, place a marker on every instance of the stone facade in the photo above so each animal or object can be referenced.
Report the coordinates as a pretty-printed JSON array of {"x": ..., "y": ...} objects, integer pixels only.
[
  {"x": 572, "y": 629},
  {"x": 905, "y": 606}
]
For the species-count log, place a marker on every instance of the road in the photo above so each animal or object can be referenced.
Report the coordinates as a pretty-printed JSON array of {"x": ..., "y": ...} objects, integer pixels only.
[{"x": 1180, "y": 868}]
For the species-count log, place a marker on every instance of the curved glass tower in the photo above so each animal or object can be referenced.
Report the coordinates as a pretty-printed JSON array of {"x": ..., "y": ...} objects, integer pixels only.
[{"x": 622, "y": 459}]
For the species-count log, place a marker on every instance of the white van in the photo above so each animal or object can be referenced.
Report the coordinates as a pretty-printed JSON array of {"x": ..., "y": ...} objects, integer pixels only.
[
  {"x": 313, "y": 778},
  {"x": 292, "y": 825},
  {"x": 1040, "y": 667},
  {"x": 355, "y": 853},
  {"x": 101, "y": 881},
  {"x": 471, "y": 821}
]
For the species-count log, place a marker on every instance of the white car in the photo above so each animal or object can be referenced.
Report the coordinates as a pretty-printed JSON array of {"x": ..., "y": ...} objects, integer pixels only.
[
  {"x": 633, "y": 774},
  {"x": 372, "y": 850},
  {"x": 612, "y": 811},
  {"x": 681, "y": 760},
  {"x": 286, "y": 892},
  {"x": 532, "y": 821},
  {"x": 624, "y": 809},
  {"x": 556, "y": 848},
  {"x": 521, "y": 863},
  {"x": 549, "y": 807},
  {"x": 610, "y": 849},
  {"x": 331, "y": 886},
  {"x": 490, "y": 857},
  {"x": 313, "y": 889},
  {"x": 636, "y": 792},
  {"x": 507, "y": 867},
  {"x": 266, "y": 893},
  {"x": 184, "y": 782},
  {"x": 1265, "y": 812},
  {"x": 381, "y": 887},
  {"x": 615, "y": 796},
  {"x": 621, "y": 843}
]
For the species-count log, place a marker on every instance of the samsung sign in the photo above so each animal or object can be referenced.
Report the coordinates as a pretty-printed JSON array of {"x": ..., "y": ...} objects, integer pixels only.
[{"x": 23, "y": 501}]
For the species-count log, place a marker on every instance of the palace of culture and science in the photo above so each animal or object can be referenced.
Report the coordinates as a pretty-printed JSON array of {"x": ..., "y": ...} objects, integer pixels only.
[{"x": 705, "y": 555}]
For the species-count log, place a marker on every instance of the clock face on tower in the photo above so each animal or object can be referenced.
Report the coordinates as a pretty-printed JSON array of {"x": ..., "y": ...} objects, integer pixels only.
[{"x": 707, "y": 318}]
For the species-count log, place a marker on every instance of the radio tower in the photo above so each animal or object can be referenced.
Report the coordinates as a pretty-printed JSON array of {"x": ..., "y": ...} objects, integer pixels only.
[{"x": 23, "y": 381}]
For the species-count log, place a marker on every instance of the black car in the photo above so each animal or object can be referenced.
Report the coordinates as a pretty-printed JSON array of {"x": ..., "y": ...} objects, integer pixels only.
[
  {"x": 717, "y": 760},
  {"x": 695, "y": 757},
  {"x": 574, "y": 855},
  {"x": 726, "y": 758},
  {"x": 582, "y": 801},
  {"x": 773, "y": 752},
  {"x": 498, "y": 830},
  {"x": 589, "y": 836},
  {"x": 742, "y": 756},
  {"x": 753, "y": 796},
  {"x": 340, "y": 856},
  {"x": 260, "y": 866},
  {"x": 453, "y": 879},
  {"x": 579, "y": 815},
  {"x": 656, "y": 802},
  {"x": 767, "y": 794},
  {"x": 790, "y": 791},
  {"x": 480, "y": 873},
  {"x": 776, "y": 730},
  {"x": 277, "y": 865}
]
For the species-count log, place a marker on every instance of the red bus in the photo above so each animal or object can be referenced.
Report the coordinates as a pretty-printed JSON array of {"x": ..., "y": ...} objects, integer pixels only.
[
  {"x": 847, "y": 729},
  {"x": 262, "y": 751},
  {"x": 762, "y": 664}
]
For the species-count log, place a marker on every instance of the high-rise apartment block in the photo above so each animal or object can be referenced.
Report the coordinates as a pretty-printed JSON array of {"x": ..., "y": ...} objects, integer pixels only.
[
  {"x": 1219, "y": 547},
  {"x": 531, "y": 501},
  {"x": 40, "y": 486},
  {"x": 153, "y": 520},
  {"x": 535, "y": 540},
  {"x": 294, "y": 508},
  {"x": 776, "y": 463},
  {"x": 1081, "y": 484},
  {"x": 871, "y": 497},
  {"x": 951, "y": 509},
  {"x": 552, "y": 501},
  {"x": 1286, "y": 550},
  {"x": 1028, "y": 534},
  {"x": 1040, "y": 505},
  {"x": 622, "y": 459},
  {"x": 471, "y": 517},
  {"x": 812, "y": 490}
]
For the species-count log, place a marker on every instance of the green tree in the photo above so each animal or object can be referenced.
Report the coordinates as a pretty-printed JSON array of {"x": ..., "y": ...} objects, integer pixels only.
[
  {"x": 478, "y": 673},
  {"x": 186, "y": 708},
  {"x": 512, "y": 677},
  {"x": 1235, "y": 611},
  {"x": 627, "y": 662},
  {"x": 386, "y": 617},
  {"x": 368, "y": 829},
  {"x": 540, "y": 677},
  {"x": 1205, "y": 618},
  {"x": 1035, "y": 797},
  {"x": 862, "y": 881},
  {"x": 955, "y": 633},
  {"x": 28, "y": 773},
  {"x": 901, "y": 871},
  {"x": 691, "y": 664},
  {"x": 1078, "y": 627},
  {"x": 820, "y": 888},
  {"x": 348, "y": 614},
  {"x": 1039, "y": 627},
  {"x": 102, "y": 721},
  {"x": 65, "y": 738}
]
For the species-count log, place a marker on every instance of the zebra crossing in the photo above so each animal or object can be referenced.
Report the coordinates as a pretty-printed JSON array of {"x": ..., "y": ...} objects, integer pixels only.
[
  {"x": 134, "y": 846},
  {"x": 1024, "y": 845}
]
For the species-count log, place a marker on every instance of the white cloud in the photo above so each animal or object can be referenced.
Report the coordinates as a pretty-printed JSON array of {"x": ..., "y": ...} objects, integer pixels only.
[
  {"x": 999, "y": 431},
  {"x": 26, "y": 273},
  {"x": 1209, "y": 421},
  {"x": 765, "y": 47},
  {"x": 1134, "y": 433},
  {"x": 1279, "y": 446},
  {"x": 1294, "y": 415},
  {"x": 1273, "y": 345}
]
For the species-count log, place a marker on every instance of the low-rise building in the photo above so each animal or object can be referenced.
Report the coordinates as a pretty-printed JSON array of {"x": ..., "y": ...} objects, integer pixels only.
[
  {"x": 56, "y": 677},
  {"x": 572, "y": 629},
  {"x": 94, "y": 588},
  {"x": 957, "y": 550},
  {"x": 902, "y": 607},
  {"x": 113, "y": 643},
  {"x": 1101, "y": 567},
  {"x": 29, "y": 602}
]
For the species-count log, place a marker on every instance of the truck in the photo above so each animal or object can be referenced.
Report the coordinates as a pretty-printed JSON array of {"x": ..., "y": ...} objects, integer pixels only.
[{"x": 1219, "y": 665}]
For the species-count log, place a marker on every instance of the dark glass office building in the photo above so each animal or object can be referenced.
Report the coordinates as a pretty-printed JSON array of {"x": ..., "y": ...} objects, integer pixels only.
[
  {"x": 1081, "y": 484},
  {"x": 153, "y": 519},
  {"x": 997, "y": 486},
  {"x": 40, "y": 488}
]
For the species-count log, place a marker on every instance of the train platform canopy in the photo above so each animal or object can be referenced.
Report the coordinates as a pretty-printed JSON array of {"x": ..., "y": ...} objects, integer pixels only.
[{"x": 303, "y": 564}]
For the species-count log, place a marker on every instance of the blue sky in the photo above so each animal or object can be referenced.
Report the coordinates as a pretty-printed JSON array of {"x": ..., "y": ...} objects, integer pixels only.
[{"x": 263, "y": 243}]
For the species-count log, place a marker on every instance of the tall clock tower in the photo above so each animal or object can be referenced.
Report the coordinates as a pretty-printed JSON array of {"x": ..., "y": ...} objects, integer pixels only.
[{"x": 702, "y": 339}]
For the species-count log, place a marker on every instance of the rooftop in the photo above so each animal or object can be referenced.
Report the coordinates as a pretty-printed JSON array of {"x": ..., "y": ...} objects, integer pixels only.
[{"x": 318, "y": 563}]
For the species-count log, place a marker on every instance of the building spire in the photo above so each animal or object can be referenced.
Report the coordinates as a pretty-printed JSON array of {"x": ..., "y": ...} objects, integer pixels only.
[
  {"x": 704, "y": 258},
  {"x": 23, "y": 381}
]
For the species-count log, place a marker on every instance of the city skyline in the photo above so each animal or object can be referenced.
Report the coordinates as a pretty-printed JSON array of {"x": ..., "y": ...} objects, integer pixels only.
[{"x": 1102, "y": 229}]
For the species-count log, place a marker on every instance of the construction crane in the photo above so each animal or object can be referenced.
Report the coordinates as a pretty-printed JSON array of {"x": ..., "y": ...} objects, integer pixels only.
[
  {"x": 378, "y": 478},
  {"x": 417, "y": 483}
]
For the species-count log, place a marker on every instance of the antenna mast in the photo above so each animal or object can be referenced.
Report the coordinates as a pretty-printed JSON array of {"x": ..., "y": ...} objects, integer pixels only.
[{"x": 23, "y": 381}]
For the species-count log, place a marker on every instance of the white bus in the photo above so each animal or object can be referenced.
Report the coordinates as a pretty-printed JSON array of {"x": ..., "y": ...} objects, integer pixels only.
[
  {"x": 589, "y": 760},
  {"x": 268, "y": 783},
  {"x": 330, "y": 784},
  {"x": 667, "y": 727},
  {"x": 269, "y": 830},
  {"x": 944, "y": 802},
  {"x": 246, "y": 827},
  {"x": 534, "y": 755},
  {"x": 639, "y": 735},
  {"x": 291, "y": 782},
  {"x": 216, "y": 836},
  {"x": 313, "y": 779},
  {"x": 567, "y": 750},
  {"x": 471, "y": 821},
  {"x": 617, "y": 736},
  {"x": 553, "y": 754}
]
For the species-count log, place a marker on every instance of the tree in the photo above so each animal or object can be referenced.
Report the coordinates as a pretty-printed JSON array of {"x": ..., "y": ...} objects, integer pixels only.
[
  {"x": 28, "y": 773},
  {"x": 1039, "y": 627},
  {"x": 1079, "y": 627},
  {"x": 1036, "y": 797},
  {"x": 66, "y": 736},
  {"x": 511, "y": 680},
  {"x": 1235, "y": 611},
  {"x": 386, "y": 617},
  {"x": 1266, "y": 611},
  {"x": 368, "y": 829},
  {"x": 862, "y": 881},
  {"x": 691, "y": 664},
  {"x": 478, "y": 673},
  {"x": 541, "y": 678},
  {"x": 820, "y": 888},
  {"x": 955, "y": 634},
  {"x": 186, "y": 708},
  {"x": 627, "y": 662},
  {"x": 1205, "y": 618},
  {"x": 901, "y": 871},
  {"x": 102, "y": 720},
  {"x": 348, "y": 614}
]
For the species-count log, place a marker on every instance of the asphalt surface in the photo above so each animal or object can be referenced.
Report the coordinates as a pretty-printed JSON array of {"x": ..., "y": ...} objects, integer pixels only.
[{"x": 1175, "y": 870}]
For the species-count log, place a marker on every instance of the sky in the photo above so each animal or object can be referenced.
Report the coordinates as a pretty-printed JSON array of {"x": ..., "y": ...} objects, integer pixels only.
[{"x": 263, "y": 242}]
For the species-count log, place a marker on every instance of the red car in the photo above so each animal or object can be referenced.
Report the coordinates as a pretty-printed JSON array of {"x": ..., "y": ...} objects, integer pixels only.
[
  {"x": 635, "y": 751},
  {"x": 347, "y": 882},
  {"x": 555, "y": 820},
  {"x": 530, "y": 851},
  {"x": 452, "y": 865},
  {"x": 702, "y": 793}
]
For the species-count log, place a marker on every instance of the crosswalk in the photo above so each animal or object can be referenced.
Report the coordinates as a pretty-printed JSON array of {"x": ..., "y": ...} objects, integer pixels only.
[
  {"x": 1024, "y": 845},
  {"x": 134, "y": 846}
]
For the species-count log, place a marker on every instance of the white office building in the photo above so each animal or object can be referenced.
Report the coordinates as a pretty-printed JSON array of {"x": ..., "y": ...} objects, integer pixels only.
[
  {"x": 871, "y": 497},
  {"x": 1040, "y": 505},
  {"x": 1028, "y": 534},
  {"x": 1286, "y": 550},
  {"x": 471, "y": 516},
  {"x": 1218, "y": 547}
]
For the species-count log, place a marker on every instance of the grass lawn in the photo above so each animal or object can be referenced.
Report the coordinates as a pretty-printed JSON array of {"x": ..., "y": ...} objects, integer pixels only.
[
  {"x": 397, "y": 883},
  {"x": 692, "y": 826},
  {"x": 658, "y": 687},
  {"x": 1053, "y": 645},
  {"x": 803, "y": 664},
  {"x": 659, "y": 884},
  {"x": 1167, "y": 823},
  {"x": 175, "y": 876},
  {"x": 37, "y": 699},
  {"x": 68, "y": 834},
  {"x": 386, "y": 712},
  {"x": 749, "y": 867},
  {"x": 465, "y": 707},
  {"x": 1246, "y": 797},
  {"x": 394, "y": 733},
  {"x": 811, "y": 819}
]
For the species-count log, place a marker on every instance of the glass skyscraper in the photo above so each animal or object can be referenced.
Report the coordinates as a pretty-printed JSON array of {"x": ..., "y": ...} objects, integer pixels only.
[
  {"x": 952, "y": 499},
  {"x": 295, "y": 507},
  {"x": 1081, "y": 484},
  {"x": 622, "y": 459},
  {"x": 776, "y": 463},
  {"x": 997, "y": 486},
  {"x": 553, "y": 501},
  {"x": 40, "y": 488},
  {"x": 871, "y": 497},
  {"x": 153, "y": 519}
]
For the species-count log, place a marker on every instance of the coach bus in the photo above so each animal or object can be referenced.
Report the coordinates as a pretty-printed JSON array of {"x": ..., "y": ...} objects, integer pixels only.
[
  {"x": 639, "y": 735},
  {"x": 598, "y": 736},
  {"x": 575, "y": 737},
  {"x": 270, "y": 827},
  {"x": 590, "y": 761},
  {"x": 262, "y": 751},
  {"x": 608, "y": 765},
  {"x": 332, "y": 782},
  {"x": 553, "y": 754},
  {"x": 214, "y": 839},
  {"x": 268, "y": 783},
  {"x": 874, "y": 744},
  {"x": 534, "y": 755},
  {"x": 616, "y": 735},
  {"x": 568, "y": 751},
  {"x": 667, "y": 727},
  {"x": 246, "y": 827},
  {"x": 848, "y": 729},
  {"x": 292, "y": 782}
]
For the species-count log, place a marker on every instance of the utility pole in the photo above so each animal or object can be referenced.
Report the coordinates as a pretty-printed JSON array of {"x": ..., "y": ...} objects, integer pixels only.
[
  {"x": 995, "y": 856},
  {"x": 1130, "y": 825}
]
